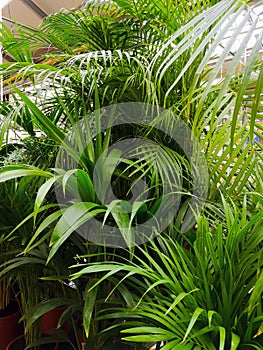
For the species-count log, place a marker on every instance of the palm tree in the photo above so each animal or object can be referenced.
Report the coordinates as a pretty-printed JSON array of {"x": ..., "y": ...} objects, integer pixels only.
[
  {"x": 198, "y": 298},
  {"x": 163, "y": 54},
  {"x": 162, "y": 60}
]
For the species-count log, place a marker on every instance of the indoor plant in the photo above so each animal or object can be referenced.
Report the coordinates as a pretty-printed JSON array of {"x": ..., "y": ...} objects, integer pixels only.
[
  {"x": 204, "y": 297},
  {"x": 174, "y": 73}
]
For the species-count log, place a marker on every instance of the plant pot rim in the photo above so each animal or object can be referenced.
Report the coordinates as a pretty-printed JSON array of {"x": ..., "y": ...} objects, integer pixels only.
[
  {"x": 14, "y": 340},
  {"x": 2, "y": 318},
  {"x": 21, "y": 337}
]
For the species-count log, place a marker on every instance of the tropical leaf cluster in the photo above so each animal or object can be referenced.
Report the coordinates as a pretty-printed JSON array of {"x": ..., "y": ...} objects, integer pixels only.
[
  {"x": 199, "y": 289},
  {"x": 204, "y": 297}
]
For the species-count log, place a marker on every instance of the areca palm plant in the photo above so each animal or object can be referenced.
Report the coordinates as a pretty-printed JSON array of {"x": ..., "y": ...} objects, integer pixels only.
[
  {"x": 17, "y": 226},
  {"x": 204, "y": 297},
  {"x": 133, "y": 62},
  {"x": 163, "y": 54}
]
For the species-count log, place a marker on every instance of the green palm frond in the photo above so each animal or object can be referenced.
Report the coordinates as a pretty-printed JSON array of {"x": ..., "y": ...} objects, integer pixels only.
[{"x": 198, "y": 297}]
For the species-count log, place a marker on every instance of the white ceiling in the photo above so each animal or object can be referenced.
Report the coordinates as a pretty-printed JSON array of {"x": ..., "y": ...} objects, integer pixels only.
[{"x": 31, "y": 12}]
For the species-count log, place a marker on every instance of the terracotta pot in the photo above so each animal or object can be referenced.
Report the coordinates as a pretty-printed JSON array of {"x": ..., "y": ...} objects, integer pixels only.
[
  {"x": 81, "y": 341},
  {"x": 9, "y": 328},
  {"x": 20, "y": 344},
  {"x": 50, "y": 320}
]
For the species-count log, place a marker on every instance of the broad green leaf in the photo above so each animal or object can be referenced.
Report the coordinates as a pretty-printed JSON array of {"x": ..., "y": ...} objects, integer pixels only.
[
  {"x": 73, "y": 217},
  {"x": 90, "y": 298},
  {"x": 194, "y": 319},
  {"x": 41, "y": 194},
  {"x": 47, "y": 125},
  {"x": 235, "y": 340},
  {"x": 256, "y": 293},
  {"x": 15, "y": 171},
  {"x": 222, "y": 337}
]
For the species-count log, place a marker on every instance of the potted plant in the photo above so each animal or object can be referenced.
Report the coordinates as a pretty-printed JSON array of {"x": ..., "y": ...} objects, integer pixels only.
[
  {"x": 17, "y": 202},
  {"x": 204, "y": 297},
  {"x": 123, "y": 52},
  {"x": 9, "y": 317},
  {"x": 9, "y": 308}
]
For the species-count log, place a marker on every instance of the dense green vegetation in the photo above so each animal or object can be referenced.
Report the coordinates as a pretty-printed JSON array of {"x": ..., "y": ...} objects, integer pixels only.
[{"x": 199, "y": 288}]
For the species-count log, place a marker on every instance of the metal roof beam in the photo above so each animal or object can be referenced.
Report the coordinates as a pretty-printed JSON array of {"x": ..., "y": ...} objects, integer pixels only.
[
  {"x": 7, "y": 57},
  {"x": 34, "y": 7},
  {"x": 17, "y": 23}
]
